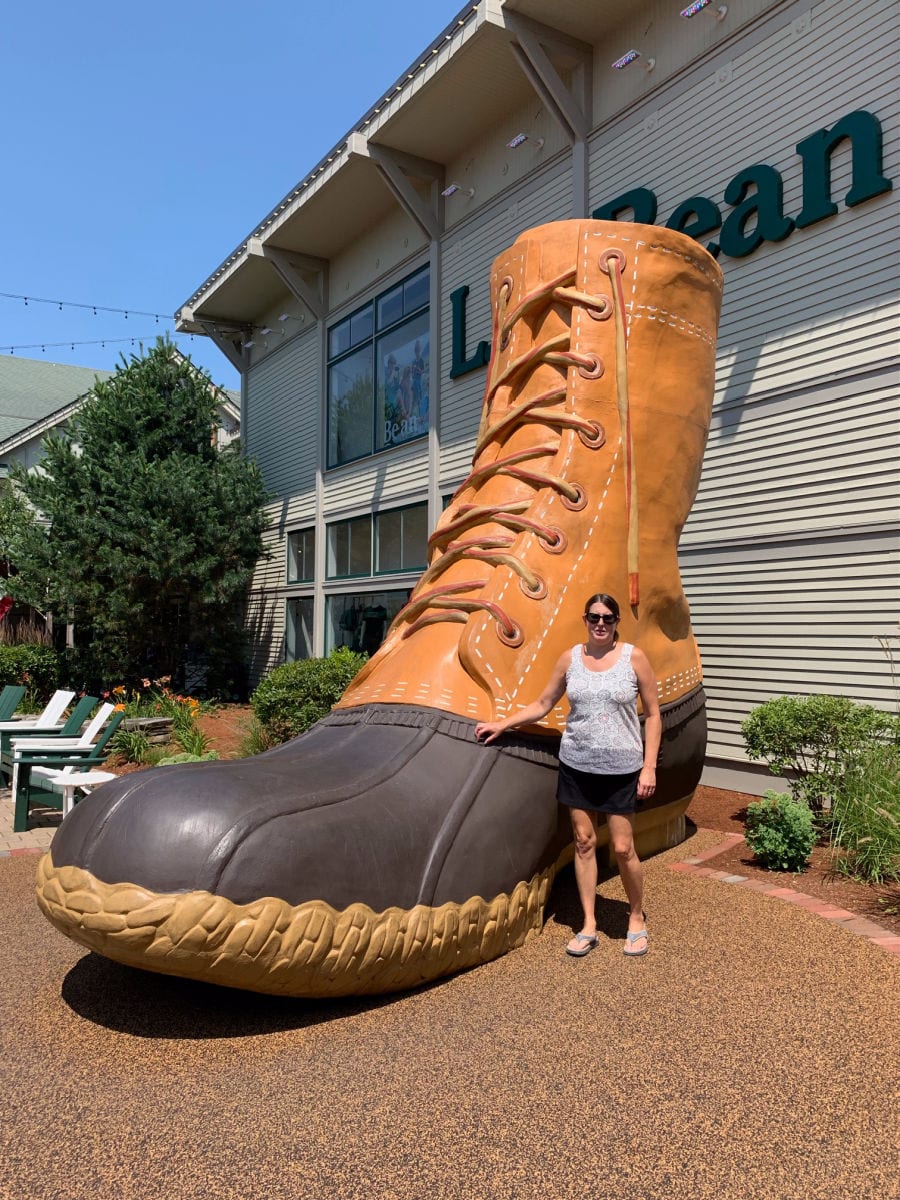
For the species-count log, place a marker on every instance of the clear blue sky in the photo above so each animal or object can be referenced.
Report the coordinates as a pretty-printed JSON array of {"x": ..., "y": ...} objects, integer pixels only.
[{"x": 144, "y": 141}]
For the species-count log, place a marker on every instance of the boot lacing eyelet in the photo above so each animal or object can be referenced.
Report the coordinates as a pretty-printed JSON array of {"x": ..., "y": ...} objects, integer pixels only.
[
  {"x": 514, "y": 637},
  {"x": 557, "y": 544},
  {"x": 595, "y": 439},
  {"x": 609, "y": 256},
  {"x": 602, "y": 311},
  {"x": 535, "y": 593},
  {"x": 577, "y": 503},
  {"x": 592, "y": 369}
]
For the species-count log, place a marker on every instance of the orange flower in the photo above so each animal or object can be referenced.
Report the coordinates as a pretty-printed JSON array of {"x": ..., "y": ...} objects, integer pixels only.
[
  {"x": 119, "y": 691},
  {"x": 118, "y": 707}
]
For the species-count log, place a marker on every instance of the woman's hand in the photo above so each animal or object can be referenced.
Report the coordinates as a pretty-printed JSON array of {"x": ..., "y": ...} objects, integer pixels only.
[
  {"x": 488, "y": 731},
  {"x": 646, "y": 782}
]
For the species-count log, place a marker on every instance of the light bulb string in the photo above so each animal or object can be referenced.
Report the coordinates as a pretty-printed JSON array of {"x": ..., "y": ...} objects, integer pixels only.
[{"x": 95, "y": 308}]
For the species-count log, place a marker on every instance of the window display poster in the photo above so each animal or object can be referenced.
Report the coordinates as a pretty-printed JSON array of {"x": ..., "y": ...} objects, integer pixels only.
[{"x": 403, "y": 377}]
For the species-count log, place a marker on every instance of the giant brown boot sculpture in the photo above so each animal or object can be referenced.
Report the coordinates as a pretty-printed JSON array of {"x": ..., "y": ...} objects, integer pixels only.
[{"x": 386, "y": 846}]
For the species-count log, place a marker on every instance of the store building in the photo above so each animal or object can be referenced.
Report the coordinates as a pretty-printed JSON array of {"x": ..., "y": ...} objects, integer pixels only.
[{"x": 358, "y": 314}]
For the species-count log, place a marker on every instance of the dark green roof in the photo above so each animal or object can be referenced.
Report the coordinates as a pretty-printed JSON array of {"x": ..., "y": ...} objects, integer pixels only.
[{"x": 31, "y": 390}]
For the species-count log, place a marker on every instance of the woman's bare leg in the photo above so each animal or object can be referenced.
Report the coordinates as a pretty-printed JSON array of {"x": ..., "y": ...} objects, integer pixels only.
[
  {"x": 584, "y": 828},
  {"x": 621, "y": 838}
]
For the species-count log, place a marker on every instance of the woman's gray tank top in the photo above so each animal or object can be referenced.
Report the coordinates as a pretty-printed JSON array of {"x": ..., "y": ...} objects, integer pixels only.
[{"x": 603, "y": 733}]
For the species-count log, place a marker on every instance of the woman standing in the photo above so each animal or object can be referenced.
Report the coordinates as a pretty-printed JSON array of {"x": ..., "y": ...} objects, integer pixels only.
[{"x": 603, "y": 766}]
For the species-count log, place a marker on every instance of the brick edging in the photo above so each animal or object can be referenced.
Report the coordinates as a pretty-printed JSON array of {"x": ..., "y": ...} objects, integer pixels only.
[
  {"x": 852, "y": 922},
  {"x": 16, "y": 851}
]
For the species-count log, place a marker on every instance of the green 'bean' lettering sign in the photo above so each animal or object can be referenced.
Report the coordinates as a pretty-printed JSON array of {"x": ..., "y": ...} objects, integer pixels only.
[{"x": 756, "y": 198}]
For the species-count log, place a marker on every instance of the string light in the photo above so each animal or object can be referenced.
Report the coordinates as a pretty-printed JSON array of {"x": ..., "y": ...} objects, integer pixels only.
[
  {"x": 95, "y": 308},
  {"x": 103, "y": 342}
]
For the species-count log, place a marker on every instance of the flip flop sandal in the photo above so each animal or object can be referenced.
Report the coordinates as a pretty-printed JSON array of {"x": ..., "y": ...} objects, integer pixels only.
[
  {"x": 631, "y": 938},
  {"x": 589, "y": 941}
]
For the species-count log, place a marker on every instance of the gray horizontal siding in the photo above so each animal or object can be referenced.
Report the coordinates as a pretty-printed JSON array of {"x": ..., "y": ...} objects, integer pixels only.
[
  {"x": 468, "y": 253},
  {"x": 820, "y": 467},
  {"x": 283, "y": 403},
  {"x": 264, "y": 620},
  {"x": 792, "y": 618},
  {"x": 378, "y": 482}
]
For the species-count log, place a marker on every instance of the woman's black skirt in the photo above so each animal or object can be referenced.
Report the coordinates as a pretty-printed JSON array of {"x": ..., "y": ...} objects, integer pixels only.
[{"x": 615, "y": 794}]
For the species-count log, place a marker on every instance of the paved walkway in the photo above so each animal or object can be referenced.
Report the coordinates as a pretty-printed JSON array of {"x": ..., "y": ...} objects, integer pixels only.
[
  {"x": 751, "y": 1054},
  {"x": 36, "y": 839}
]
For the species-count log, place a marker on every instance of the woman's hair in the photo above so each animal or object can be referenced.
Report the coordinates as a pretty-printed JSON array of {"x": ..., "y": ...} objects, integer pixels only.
[
  {"x": 602, "y": 598},
  {"x": 609, "y": 602}
]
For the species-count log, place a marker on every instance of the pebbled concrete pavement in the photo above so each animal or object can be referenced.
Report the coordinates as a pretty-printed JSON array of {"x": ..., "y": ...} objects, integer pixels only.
[{"x": 751, "y": 1054}]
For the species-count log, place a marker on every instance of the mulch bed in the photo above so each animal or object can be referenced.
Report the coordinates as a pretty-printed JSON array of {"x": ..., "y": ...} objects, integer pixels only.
[{"x": 713, "y": 808}]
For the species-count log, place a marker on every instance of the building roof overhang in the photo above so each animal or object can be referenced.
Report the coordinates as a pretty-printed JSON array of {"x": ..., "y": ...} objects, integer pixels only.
[{"x": 432, "y": 113}]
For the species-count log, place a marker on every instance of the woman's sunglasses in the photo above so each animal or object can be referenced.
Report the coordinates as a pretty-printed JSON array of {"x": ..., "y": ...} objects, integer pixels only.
[{"x": 596, "y": 618}]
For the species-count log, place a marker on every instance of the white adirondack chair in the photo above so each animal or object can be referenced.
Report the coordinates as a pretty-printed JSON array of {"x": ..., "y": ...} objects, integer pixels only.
[
  {"x": 82, "y": 742},
  {"x": 63, "y": 746},
  {"x": 48, "y": 719}
]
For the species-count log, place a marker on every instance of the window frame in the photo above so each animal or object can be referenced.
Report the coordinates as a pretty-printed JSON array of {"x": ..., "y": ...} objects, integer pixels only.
[
  {"x": 373, "y": 518},
  {"x": 371, "y": 341},
  {"x": 305, "y": 531}
]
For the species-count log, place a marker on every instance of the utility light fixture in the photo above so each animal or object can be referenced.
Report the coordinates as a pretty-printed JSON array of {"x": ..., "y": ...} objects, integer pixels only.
[
  {"x": 247, "y": 345},
  {"x": 452, "y": 188},
  {"x": 285, "y": 317},
  {"x": 265, "y": 331},
  {"x": 521, "y": 138},
  {"x": 698, "y": 6},
  {"x": 631, "y": 56}
]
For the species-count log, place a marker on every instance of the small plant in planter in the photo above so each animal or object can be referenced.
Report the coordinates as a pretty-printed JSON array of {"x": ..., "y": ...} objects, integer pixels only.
[{"x": 781, "y": 832}]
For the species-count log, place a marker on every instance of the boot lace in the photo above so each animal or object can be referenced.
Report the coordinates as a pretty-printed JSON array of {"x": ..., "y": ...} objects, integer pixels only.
[{"x": 458, "y": 539}]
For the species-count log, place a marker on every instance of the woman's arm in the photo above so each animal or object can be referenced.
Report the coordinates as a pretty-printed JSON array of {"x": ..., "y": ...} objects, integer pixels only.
[
  {"x": 489, "y": 731},
  {"x": 646, "y": 680}
]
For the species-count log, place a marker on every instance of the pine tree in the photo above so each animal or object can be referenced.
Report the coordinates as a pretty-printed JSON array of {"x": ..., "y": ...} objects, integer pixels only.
[{"x": 153, "y": 532}]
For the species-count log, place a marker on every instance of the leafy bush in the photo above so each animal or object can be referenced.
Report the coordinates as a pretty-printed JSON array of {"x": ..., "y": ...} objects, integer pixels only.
[
  {"x": 255, "y": 740},
  {"x": 815, "y": 741},
  {"x": 192, "y": 740},
  {"x": 132, "y": 745},
  {"x": 296, "y": 695},
  {"x": 37, "y": 667},
  {"x": 865, "y": 819},
  {"x": 781, "y": 832},
  {"x": 175, "y": 759}
]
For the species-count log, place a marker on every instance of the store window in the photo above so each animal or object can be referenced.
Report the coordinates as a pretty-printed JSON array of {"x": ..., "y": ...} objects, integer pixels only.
[
  {"x": 301, "y": 549},
  {"x": 349, "y": 548},
  {"x": 378, "y": 372},
  {"x": 298, "y": 629},
  {"x": 361, "y": 621},
  {"x": 401, "y": 539},
  {"x": 395, "y": 540}
]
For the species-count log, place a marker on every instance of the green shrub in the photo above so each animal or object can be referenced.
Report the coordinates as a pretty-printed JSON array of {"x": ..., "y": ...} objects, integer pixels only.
[
  {"x": 781, "y": 832},
  {"x": 865, "y": 819},
  {"x": 192, "y": 740},
  {"x": 132, "y": 745},
  {"x": 296, "y": 695},
  {"x": 176, "y": 759},
  {"x": 37, "y": 667},
  {"x": 255, "y": 740},
  {"x": 815, "y": 741}
]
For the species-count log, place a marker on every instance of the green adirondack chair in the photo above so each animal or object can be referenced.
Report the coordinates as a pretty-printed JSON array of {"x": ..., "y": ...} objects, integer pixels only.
[
  {"x": 52, "y": 755},
  {"x": 9, "y": 700},
  {"x": 69, "y": 729}
]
